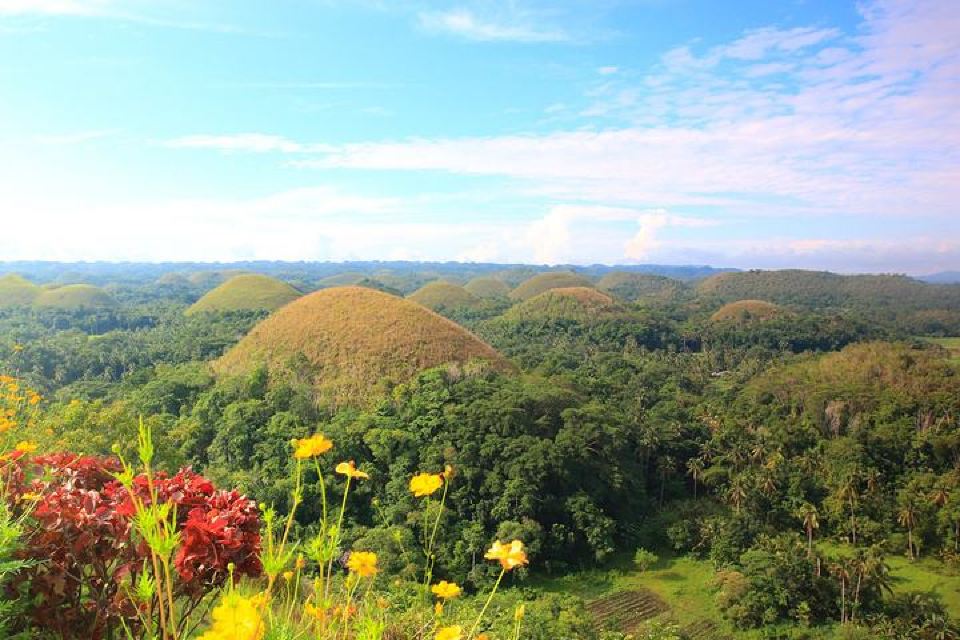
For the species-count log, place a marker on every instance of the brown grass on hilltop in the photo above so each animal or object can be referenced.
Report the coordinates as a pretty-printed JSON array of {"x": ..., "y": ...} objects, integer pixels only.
[
  {"x": 441, "y": 294},
  {"x": 546, "y": 281},
  {"x": 487, "y": 287},
  {"x": 747, "y": 311},
  {"x": 572, "y": 303},
  {"x": 17, "y": 291},
  {"x": 74, "y": 296},
  {"x": 250, "y": 291},
  {"x": 355, "y": 339}
]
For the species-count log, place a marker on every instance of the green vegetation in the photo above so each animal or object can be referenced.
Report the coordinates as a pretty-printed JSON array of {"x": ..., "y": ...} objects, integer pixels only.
[
  {"x": 74, "y": 297},
  {"x": 442, "y": 295},
  {"x": 248, "y": 292},
  {"x": 16, "y": 291},
  {"x": 635, "y": 287},
  {"x": 353, "y": 340},
  {"x": 546, "y": 281},
  {"x": 791, "y": 477},
  {"x": 565, "y": 303},
  {"x": 487, "y": 287},
  {"x": 747, "y": 311}
]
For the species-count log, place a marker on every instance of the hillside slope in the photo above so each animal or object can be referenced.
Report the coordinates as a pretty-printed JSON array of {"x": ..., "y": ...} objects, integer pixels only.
[{"x": 354, "y": 340}]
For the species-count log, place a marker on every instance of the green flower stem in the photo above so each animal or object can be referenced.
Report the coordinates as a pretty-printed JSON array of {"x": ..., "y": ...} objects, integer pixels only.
[{"x": 486, "y": 604}]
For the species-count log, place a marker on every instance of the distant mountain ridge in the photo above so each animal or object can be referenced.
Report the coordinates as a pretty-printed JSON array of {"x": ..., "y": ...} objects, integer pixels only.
[{"x": 942, "y": 277}]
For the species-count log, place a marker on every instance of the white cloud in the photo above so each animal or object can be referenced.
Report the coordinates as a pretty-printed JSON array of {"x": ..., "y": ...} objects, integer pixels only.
[
  {"x": 794, "y": 122},
  {"x": 608, "y": 71},
  {"x": 467, "y": 24}
]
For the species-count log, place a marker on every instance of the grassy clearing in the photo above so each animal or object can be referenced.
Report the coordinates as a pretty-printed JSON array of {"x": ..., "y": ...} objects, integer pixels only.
[{"x": 685, "y": 584}]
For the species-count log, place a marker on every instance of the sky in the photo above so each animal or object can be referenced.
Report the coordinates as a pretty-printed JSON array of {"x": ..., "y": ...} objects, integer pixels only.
[{"x": 814, "y": 134}]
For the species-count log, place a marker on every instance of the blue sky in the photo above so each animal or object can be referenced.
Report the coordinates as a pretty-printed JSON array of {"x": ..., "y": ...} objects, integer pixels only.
[{"x": 815, "y": 134}]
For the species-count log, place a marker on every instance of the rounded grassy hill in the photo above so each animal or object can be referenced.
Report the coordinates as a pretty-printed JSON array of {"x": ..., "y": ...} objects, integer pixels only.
[
  {"x": 746, "y": 311},
  {"x": 486, "y": 287},
  {"x": 17, "y": 291},
  {"x": 73, "y": 297},
  {"x": 565, "y": 303},
  {"x": 441, "y": 294},
  {"x": 636, "y": 286},
  {"x": 355, "y": 341},
  {"x": 546, "y": 281},
  {"x": 247, "y": 292}
]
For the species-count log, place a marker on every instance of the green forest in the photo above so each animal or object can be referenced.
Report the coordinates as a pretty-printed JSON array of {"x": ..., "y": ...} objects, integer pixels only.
[{"x": 680, "y": 453}]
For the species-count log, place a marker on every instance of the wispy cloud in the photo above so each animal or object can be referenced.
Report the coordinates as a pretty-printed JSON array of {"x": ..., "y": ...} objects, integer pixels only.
[{"x": 465, "y": 23}]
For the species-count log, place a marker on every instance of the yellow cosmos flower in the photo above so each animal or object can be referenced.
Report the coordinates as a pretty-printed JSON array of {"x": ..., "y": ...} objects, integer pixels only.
[
  {"x": 237, "y": 618},
  {"x": 311, "y": 447},
  {"x": 362, "y": 563},
  {"x": 350, "y": 470},
  {"x": 446, "y": 590},
  {"x": 31, "y": 497},
  {"x": 26, "y": 447},
  {"x": 425, "y": 484},
  {"x": 450, "y": 633},
  {"x": 520, "y": 612},
  {"x": 318, "y": 614},
  {"x": 509, "y": 556}
]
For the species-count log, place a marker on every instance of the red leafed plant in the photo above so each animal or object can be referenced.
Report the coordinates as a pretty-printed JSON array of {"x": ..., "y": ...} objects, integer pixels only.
[{"x": 89, "y": 558}]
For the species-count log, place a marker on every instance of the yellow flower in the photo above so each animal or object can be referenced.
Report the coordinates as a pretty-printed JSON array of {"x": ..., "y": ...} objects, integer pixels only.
[
  {"x": 316, "y": 613},
  {"x": 448, "y": 472},
  {"x": 362, "y": 563},
  {"x": 425, "y": 484},
  {"x": 301, "y": 562},
  {"x": 509, "y": 556},
  {"x": 26, "y": 447},
  {"x": 437, "y": 609},
  {"x": 450, "y": 633},
  {"x": 288, "y": 575},
  {"x": 35, "y": 399},
  {"x": 237, "y": 618},
  {"x": 519, "y": 613},
  {"x": 31, "y": 497},
  {"x": 17, "y": 348},
  {"x": 350, "y": 470},
  {"x": 445, "y": 590},
  {"x": 311, "y": 447}
]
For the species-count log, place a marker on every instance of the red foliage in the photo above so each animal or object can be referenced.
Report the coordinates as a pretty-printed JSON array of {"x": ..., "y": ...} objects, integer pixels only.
[{"x": 86, "y": 556}]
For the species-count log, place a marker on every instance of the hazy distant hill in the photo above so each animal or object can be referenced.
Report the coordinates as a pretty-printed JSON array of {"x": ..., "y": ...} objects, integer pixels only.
[
  {"x": 825, "y": 290},
  {"x": 943, "y": 277}
]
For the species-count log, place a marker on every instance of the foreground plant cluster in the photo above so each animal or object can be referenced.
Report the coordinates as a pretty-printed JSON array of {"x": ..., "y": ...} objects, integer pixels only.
[{"x": 98, "y": 547}]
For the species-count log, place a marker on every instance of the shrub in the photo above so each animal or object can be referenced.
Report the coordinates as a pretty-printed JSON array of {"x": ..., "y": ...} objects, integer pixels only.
[
  {"x": 88, "y": 560},
  {"x": 644, "y": 559}
]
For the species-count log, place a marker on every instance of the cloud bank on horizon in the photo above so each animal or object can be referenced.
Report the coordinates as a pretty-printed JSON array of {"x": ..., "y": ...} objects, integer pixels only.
[{"x": 815, "y": 135}]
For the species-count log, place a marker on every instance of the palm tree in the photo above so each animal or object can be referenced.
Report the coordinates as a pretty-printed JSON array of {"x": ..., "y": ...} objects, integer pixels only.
[
  {"x": 695, "y": 469},
  {"x": 907, "y": 517},
  {"x": 841, "y": 571},
  {"x": 807, "y": 513},
  {"x": 737, "y": 493},
  {"x": 849, "y": 493}
]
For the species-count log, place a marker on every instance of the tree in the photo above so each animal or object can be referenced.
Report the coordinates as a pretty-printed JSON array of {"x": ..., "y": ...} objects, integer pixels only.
[
  {"x": 695, "y": 470},
  {"x": 807, "y": 513},
  {"x": 907, "y": 517}
]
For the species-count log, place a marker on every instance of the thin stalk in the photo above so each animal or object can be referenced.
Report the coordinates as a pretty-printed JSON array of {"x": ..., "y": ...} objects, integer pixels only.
[
  {"x": 336, "y": 539},
  {"x": 486, "y": 604}
]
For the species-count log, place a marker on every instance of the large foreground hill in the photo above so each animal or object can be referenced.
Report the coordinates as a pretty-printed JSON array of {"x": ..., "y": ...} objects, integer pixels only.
[{"x": 355, "y": 340}]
